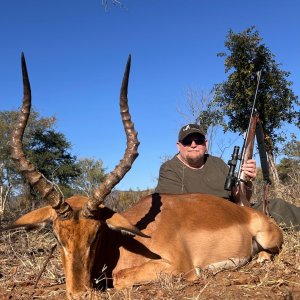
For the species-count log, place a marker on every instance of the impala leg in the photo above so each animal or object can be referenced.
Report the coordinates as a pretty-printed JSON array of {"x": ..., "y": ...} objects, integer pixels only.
[
  {"x": 148, "y": 271},
  {"x": 268, "y": 240}
]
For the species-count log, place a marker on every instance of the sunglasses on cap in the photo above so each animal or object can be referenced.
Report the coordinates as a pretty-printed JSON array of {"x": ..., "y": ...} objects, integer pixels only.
[{"x": 189, "y": 141}]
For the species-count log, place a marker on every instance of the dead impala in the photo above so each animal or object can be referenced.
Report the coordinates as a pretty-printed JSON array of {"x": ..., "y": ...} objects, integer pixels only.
[{"x": 165, "y": 233}]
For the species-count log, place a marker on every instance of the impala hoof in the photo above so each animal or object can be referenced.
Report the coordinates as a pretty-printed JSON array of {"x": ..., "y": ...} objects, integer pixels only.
[{"x": 264, "y": 256}]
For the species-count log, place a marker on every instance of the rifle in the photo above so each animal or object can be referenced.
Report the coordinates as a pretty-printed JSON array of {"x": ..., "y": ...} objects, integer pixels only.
[{"x": 247, "y": 152}]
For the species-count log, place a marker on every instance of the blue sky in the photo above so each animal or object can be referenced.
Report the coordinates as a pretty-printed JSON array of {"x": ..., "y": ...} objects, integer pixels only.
[{"x": 76, "y": 55}]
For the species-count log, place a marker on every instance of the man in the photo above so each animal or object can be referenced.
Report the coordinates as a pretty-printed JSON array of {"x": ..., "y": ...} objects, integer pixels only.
[{"x": 192, "y": 170}]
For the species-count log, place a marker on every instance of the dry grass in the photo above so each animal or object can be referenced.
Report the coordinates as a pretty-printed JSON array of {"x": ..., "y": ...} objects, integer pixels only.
[
  {"x": 288, "y": 191},
  {"x": 23, "y": 255}
]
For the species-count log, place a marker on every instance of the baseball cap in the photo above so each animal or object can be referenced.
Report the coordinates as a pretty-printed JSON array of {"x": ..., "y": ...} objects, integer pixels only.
[{"x": 188, "y": 129}]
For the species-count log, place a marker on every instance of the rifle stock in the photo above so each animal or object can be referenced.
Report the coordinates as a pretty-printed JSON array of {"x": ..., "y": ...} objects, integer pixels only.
[{"x": 247, "y": 153}]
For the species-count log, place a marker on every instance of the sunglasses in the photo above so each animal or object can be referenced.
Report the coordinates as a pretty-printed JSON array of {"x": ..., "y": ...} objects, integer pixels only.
[{"x": 198, "y": 141}]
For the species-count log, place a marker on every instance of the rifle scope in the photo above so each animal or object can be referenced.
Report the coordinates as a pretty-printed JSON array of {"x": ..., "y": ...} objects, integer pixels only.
[{"x": 231, "y": 178}]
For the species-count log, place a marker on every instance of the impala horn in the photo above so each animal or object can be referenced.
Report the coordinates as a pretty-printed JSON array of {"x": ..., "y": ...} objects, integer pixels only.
[
  {"x": 47, "y": 190},
  {"x": 130, "y": 154}
]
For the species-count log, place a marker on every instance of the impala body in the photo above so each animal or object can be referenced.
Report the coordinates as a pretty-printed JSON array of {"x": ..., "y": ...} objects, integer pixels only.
[
  {"x": 161, "y": 233},
  {"x": 188, "y": 233}
]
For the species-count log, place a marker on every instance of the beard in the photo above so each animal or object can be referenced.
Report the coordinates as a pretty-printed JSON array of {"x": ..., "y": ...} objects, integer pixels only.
[{"x": 195, "y": 161}]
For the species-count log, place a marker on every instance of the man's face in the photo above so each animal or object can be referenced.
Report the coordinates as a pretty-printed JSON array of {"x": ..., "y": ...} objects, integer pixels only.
[{"x": 192, "y": 149}]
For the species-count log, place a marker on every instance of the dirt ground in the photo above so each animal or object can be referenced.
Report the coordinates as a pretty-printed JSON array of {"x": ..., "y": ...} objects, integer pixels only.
[
  {"x": 257, "y": 283},
  {"x": 23, "y": 255}
]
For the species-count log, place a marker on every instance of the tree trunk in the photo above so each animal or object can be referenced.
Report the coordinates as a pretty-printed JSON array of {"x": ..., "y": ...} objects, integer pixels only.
[
  {"x": 4, "y": 193},
  {"x": 32, "y": 197},
  {"x": 273, "y": 169}
]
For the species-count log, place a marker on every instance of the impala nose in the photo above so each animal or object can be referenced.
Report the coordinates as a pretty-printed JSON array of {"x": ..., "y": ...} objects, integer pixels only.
[{"x": 80, "y": 295}]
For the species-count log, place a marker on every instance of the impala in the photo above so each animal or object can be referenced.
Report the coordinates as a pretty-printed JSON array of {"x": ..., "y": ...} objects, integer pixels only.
[{"x": 161, "y": 233}]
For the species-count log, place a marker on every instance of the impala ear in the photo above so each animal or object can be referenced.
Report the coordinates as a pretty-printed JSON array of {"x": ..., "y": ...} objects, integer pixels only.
[
  {"x": 34, "y": 219},
  {"x": 119, "y": 223}
]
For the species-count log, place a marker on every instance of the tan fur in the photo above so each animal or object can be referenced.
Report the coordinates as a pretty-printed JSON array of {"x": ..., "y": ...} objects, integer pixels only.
[{"x": 188, "y": 233}]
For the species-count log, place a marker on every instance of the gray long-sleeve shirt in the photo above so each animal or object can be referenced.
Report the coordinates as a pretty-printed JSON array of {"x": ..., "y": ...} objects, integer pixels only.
[{"x": 176, "y": 178}]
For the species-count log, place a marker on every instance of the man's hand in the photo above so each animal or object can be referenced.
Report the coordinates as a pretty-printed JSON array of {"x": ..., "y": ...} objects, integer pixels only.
[
  {"x": 242, "y": 192},
  {"x": 249, "y": 168}
]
